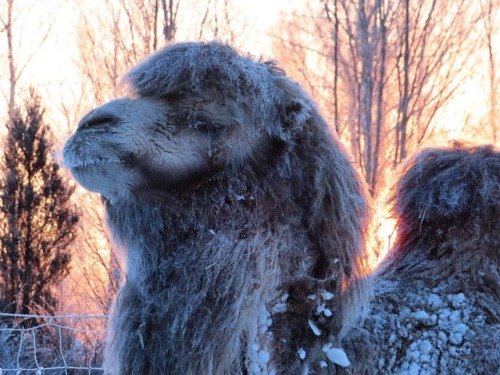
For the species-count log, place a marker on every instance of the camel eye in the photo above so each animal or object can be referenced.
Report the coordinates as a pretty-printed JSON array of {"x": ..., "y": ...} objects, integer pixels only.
[
  {"x": 175, "y": 96},
  {"x": 203, "y": 125},
  {"x": 98, "y": 121}
]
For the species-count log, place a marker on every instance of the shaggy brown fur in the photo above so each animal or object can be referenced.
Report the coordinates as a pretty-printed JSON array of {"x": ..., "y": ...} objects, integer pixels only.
[
  {"x": 238, "y": 211},
  {"x": 437, "y": 306}
]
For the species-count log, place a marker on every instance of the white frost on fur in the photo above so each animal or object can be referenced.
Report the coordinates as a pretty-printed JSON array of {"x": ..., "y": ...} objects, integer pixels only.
[
  {"x": 263, "y": 357},
  {"x": 314, "y": 328},
  {"x": 302, "y": 353},
  {"x": 280, "y": 306},
  {"x": 265, "y": 320},
  {"x": 259, "y": 353},
  {"x": 436, "y": 327},
  {"x": 321, "y": 309},
  {"x": 336, "y": 355},
  {"x": 327, "y": 295}
]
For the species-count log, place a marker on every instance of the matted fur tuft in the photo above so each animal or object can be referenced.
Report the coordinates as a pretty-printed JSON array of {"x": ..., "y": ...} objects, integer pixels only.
[
  {"x": 436, "y": 308},
  {"x": 242, "y": 218}
]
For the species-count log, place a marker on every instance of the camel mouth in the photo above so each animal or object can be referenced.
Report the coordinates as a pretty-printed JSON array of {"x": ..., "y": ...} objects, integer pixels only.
[{"x": 94, "y": 163}]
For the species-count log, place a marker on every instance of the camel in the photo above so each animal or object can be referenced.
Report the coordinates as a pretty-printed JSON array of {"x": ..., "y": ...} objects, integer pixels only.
[
  {"x": 436, "y": 308},
  {"x": 240, "y": 216}
]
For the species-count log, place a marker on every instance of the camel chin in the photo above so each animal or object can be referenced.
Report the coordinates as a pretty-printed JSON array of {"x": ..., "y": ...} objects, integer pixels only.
[{"x": 99, "y": 177}]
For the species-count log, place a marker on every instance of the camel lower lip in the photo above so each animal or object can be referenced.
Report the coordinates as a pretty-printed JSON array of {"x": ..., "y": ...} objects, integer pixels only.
[{"x": 96, "y": 163}]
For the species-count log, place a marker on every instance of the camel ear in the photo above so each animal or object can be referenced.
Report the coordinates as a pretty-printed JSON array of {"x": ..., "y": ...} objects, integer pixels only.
[
  {"x": 295, "y": 114},
  {"x": 295, "y": 108}
]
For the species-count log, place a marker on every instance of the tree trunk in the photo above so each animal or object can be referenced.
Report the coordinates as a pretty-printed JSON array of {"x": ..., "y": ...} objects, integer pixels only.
[
  {"x": 12, "y": 66},
  {"x": 401, "y": 127},
  {"x": 380, "y": 96},
  {"x": 366, "y": 92},
  {"x": 169, "y": 20},
  {"x": 488, "y": 21}
]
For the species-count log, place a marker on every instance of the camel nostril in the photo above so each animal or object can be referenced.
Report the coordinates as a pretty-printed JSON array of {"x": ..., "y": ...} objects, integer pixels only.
[{"x": 96, "y": 121}]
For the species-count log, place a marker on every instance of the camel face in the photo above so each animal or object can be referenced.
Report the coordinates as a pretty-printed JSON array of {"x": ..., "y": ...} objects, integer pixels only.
[
  {"x": 144, "y": 144},
  {"x": 193, "y": 111}
]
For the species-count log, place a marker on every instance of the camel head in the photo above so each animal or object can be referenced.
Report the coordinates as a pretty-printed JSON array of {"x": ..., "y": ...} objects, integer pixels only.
[{"x": 193, "y": 110}]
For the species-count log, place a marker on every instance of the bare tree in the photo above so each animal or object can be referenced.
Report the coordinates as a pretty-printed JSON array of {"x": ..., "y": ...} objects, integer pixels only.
[
  {"x": 430, "y": 65},
  {"x": 387, "y": 68},
  {"x": 220, "y": 19},
  {"x": 360, "y": 68},
  {"x": 105, "y": 56},
  {"x": 8, "y": 19},
  {"x": 170, "y": 10},
  {"x": 489, "y": 10},
  {"x": 139, "y": 27},
  {"x": 401, "y": 126},
  {"x": 333, "y": 21},
  {"x": 293, "y": 53},
  {"x": 7, "y": 27}
]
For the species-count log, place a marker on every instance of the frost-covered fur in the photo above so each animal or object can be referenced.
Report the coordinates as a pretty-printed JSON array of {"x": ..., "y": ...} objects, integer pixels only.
[
  {"x": 241, "y": 217},
  {"x": 437, "y": 305}
]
